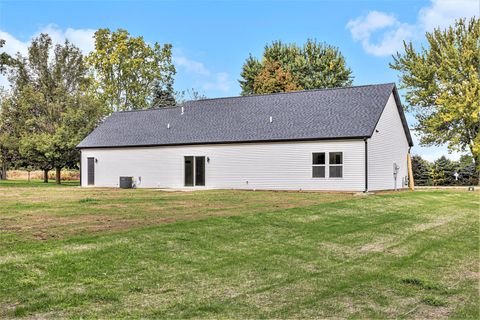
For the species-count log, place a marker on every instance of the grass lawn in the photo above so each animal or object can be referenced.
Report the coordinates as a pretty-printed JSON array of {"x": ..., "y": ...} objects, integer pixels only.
[{"x": 71, "y": 252}]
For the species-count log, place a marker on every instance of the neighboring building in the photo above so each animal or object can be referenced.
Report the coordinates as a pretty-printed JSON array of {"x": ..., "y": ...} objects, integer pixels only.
[{"x": 342, "y": 139}]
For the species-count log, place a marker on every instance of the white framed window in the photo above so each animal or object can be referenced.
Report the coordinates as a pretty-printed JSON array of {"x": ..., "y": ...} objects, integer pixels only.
[
  {"x": 318, "y": 165},
  {"x": 335, "y": 165}
]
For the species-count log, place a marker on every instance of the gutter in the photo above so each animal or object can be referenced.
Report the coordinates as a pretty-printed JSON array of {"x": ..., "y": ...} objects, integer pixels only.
[{"x": 366, "y": 165}]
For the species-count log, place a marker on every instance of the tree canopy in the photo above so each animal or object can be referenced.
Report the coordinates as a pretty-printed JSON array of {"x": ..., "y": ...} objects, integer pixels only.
[
  {"x": 50, "y": 108},
  {"x": 442, "y": 83},
  {"x": 288, "y": 67},
  {"x": 129, "y": 73}
]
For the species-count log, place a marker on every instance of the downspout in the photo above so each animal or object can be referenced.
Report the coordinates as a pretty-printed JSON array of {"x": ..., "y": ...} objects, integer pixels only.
[
  {"x": 80, "y": 168},
  {"x": 366, "y": 165}
]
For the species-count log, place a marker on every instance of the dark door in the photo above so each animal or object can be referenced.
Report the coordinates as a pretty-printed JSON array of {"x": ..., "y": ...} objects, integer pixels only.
[
  {"x": 188, "y": 171},
  {"x": 91, "y": 171},
  {"x": 199, "y": 171}
]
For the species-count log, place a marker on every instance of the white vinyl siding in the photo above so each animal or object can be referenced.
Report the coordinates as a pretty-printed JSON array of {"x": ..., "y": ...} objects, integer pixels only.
[
  {"x": 388, "y": 145},
  {"x": 269, "y": 165}
]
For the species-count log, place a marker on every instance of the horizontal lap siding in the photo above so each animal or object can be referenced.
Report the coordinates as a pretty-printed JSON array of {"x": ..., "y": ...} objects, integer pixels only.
[
  {"x": 285, "y": 165},
  {"x": 387, "y": 146}
]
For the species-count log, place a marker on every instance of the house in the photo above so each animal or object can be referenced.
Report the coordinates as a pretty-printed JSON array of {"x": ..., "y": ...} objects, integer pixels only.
[{"x": 340, "y": 139}]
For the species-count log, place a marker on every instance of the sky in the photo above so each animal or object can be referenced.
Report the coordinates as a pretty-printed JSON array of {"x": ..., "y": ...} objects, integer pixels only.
[{"x": 212, "y": 39}]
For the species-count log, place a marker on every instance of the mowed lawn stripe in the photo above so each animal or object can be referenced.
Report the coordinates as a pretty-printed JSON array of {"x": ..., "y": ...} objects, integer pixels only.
[{"x": 360, "y": 257}]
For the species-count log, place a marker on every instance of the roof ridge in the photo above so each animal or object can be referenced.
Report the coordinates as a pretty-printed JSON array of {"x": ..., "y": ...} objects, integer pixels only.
[
  {"x": 298, "y": 91},
  {"x": 258, "y": 95}
]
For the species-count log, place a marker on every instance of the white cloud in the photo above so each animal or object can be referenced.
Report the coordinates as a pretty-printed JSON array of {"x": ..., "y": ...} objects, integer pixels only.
[
  {"x": 82, "y": 38},
  {"x": 12, "y": 44},
  {"x": 391, "y": 32},
  {"x": 362, "y": 27},
  {"x": 190, "y": 66},
  {"x": 204, "y": 78},
  {"x": 442, "y": 13},
  {"x": 221, "y": 82}
]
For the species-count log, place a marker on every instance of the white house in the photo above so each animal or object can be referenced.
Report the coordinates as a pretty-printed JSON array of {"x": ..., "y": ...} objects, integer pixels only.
[{"x": 341, "y": 139}]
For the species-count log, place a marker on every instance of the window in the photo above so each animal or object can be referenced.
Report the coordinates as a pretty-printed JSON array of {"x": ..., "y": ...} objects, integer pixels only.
[
  {"x": 318, "y": 165},
  {"x": 335, "y": 164}
]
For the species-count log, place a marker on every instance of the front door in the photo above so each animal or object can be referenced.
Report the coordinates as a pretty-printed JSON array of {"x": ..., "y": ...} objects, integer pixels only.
[
  {"x": 194, "y": 171},
  {"x": 91, "y": 171}
]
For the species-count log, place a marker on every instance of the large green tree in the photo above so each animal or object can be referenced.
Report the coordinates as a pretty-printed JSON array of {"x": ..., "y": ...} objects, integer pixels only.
[
  {"x": 313, "y": 66},
  {"x": 53, "y": 104},
  {"x": 8, "y": 135},
  {"x": 421, "y": 171},
  {"x": 8, "y": 140},
  {"x": 442, "y": 83},
  {"x": 130, "y": 74}
]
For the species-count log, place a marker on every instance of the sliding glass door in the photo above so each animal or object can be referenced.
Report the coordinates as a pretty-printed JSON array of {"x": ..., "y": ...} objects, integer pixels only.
[{"x": 194, "y": 171}]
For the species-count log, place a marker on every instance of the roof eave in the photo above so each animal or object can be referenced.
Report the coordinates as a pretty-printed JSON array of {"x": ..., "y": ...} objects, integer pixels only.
[{"x": 221, "y": 142}]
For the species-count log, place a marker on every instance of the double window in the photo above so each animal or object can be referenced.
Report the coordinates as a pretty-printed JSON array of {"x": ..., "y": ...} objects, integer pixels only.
[{"x": 335, "y": 165}]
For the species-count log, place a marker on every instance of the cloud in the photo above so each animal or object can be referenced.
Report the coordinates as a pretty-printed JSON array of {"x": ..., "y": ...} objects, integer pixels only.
[
  {"x": 391, "y": 32},
  {"x": 12, "y": 44},
  {"x": 82, "y": 38},
  {"x": 221, "y": 82},
  {"x": 190, "y": 66},
  {"x": 204, "y": 78}
]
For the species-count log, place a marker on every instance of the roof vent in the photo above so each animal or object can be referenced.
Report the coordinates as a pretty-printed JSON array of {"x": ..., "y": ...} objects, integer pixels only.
[
  {"x": 168, "y": 125},
  {"x": 183, "y": 110},
  {"x": 271, "y": 119}
]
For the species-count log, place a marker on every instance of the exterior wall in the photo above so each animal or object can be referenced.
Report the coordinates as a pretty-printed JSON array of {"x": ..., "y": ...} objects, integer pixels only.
[
  {"x": 280, "y": 165},
  {"x": 387, "y": 146}
]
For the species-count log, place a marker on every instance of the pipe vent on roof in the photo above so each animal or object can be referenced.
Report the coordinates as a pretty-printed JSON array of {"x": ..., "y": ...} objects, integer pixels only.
[
  {"x": 271, "y": 119},
  {"x": 168, "y": 125},
  {"x": 183, "y": 110}
]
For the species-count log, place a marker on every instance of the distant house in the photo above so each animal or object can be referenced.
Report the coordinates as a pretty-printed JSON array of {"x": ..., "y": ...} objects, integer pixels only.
[{"x": 341, "y": 139}]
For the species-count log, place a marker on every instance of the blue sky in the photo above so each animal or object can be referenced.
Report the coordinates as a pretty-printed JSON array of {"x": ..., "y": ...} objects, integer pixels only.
[{"x": 212, "y": 39}]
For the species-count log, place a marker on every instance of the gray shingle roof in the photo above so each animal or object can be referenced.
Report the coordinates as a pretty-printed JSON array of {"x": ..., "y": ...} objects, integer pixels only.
[{"x": 350, "y": 112}]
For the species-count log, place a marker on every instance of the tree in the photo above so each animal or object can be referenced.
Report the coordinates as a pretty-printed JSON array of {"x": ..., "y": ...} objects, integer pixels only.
[
  {"x": 163, "y": 93},
  {"x": 465, "y": 168},
  {"x": 443, "y": 170},
  {"x": 272, "y": 78},
  {"x": 251, "y": 68},
  {"x": 8, "y": 135},
  {"x": 7, "y": 144},
  {"x": 129, "y": 73},
  {"x": 51, "y": 95},
  {"x": 443, "y": 86},
  {"x": 188, "y": 95},
  {"x": 313, "y": 66},
  {"x": 421, "y": 171}
]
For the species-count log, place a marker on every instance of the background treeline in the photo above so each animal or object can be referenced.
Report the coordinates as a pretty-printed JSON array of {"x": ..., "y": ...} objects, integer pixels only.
[{"x": 441, "y": 172}]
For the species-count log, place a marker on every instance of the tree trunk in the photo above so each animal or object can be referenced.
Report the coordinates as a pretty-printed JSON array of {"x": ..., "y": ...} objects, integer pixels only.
[
  {"x": 3, "y": 171},
  {"x": 58, "y": 171},
  {"x": 45, "y": 175}
]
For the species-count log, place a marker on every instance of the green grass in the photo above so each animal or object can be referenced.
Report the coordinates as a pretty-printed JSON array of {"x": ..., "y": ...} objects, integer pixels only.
[{"x": 103, "y": 253}]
